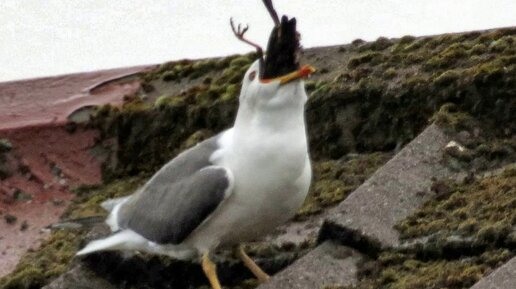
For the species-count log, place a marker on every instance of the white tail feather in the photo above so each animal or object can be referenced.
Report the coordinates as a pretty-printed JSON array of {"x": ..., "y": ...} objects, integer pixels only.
[
  {"x": 124, "y": 240},
  {"x": 108, "y": 205}
]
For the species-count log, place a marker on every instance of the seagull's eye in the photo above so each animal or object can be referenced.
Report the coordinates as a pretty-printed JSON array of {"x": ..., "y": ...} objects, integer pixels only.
[{"x": 252, "y": 75}]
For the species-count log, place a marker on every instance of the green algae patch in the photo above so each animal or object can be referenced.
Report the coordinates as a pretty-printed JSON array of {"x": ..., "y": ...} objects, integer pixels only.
[
  {"x": 37, "y": 268},
  {"x": 335, "y": 179},
  {"x": 482, "y": 210}
]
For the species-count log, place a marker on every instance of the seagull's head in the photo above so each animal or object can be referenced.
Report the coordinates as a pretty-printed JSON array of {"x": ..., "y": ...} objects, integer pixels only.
[{"x": 276, "y": 80}]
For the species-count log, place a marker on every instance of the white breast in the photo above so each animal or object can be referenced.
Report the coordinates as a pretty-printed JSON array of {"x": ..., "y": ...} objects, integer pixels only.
[{"x": 271, "y": 182}]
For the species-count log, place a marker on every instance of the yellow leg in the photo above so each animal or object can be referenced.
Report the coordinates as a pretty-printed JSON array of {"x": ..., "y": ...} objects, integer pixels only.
[
  {"x": 249, "y": 263},
  {"x": 210, "y": 269}
]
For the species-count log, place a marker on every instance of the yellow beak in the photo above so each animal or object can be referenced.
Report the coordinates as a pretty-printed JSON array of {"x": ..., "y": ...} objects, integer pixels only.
[{"x": 303, "y": 72}]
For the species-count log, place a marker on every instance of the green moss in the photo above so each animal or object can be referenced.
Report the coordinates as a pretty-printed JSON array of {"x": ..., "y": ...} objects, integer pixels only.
[
  {"x": 37, "y": 268},
  {"x": 447, "y": 57},
  {"x": 357, "y": 42},
  {"x": 370, "y": 57},
  {"x": 483, "y": 210},
  {"x": 53, "y": 257},
  {"x": 201, "y": 68},
  {"x": 231, "y": 92},
  {"x": 87, "y": 201},
  {"x": 167, "y": 100},
  {"x": 335, "y": 179},
  {"x": 446, "y": 78},
  {"x": 241, "y": 61},
  {"x": 380, "y": 44},
  {"x": 5, "y": 146},
  {"x": 501, "y": 44},
  {"x": 449, "y": 116},
  {"x": 401, "y": 271},
  {"x": 415, "y": 45},
  {"x": 196, "y": 138},
  {"x": 170, "y": 75},
  {"x": 407, "y": 39},
  {"x": 478, "y": 49}
]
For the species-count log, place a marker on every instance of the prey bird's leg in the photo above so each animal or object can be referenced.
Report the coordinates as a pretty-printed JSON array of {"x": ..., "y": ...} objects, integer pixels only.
[
  {"x": 210, "y": 270},
  {"x": 251, "y": 265},
  {"x": 272, "y": 12},
  {"x": 239, "y": 33}
]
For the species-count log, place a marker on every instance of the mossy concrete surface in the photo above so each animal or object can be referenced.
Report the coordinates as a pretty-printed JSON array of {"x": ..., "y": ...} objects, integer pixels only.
[
  {"x": 366, "y": 219},
  {"x": 329, "y": 263},
  {"x": 367, "y": 100},
  {"x": 463, "y": 233}
]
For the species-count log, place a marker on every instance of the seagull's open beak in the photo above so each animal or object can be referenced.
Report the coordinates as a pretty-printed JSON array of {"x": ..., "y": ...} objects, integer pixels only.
[{"x": 303, "y": 72}]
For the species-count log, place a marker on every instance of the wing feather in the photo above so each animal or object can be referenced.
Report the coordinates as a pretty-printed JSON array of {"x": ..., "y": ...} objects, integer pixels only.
[{"x": 168, "y": 213}]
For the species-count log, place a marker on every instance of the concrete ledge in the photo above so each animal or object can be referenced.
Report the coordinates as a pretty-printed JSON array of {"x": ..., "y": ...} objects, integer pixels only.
[
  {"x": 328, "y": 264},
  {"x": 79, "y": 277},
  {"x": 502, "y": 278},
  {"x": 366, "y": 219}
]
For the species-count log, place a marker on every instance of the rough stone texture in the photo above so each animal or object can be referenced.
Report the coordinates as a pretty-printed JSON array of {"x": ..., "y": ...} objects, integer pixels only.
[
  {"x": 79, "y": 277},
  {"x": 366, "y": 218},
  {"x": 328, "y": 264},
  {"x": 502, "y": 278}
]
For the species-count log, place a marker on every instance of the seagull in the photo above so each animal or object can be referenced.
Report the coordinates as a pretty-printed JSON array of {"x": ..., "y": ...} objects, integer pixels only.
[{"x": 231, "y": 188}]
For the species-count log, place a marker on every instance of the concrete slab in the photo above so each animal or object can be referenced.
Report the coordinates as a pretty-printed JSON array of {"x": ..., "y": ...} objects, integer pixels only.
[
  {"x": 79, "y": 277},
  {"x": 366, "y": 219},
  {"x": 328, "y": 264},
  {"x": 502, "y": 278}
]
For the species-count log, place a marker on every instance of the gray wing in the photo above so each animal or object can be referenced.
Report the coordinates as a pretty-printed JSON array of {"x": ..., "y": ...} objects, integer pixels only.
[
  {"x": 187, "y": 162},
  {"x": 178, "y": 198}
]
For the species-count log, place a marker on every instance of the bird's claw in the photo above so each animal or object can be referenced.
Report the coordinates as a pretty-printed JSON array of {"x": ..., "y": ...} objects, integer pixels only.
[{"x": 240, "y": 31}]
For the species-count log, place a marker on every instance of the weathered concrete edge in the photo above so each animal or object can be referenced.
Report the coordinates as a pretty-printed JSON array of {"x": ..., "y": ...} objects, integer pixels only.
[
  {"x": 329, "y": 264},
  {"x": 346, "y": 222},
  {"x": 79, "y": 276},
  {"x": 502, "y": 278}
]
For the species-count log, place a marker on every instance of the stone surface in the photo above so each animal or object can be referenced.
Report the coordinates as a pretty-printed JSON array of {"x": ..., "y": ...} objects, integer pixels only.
[
  {"x": 502, "y": 278},
  {"x": 79, "y": 277},
  {"x": 328, "y": 264},
  {"x": 366, "y": 219}
]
